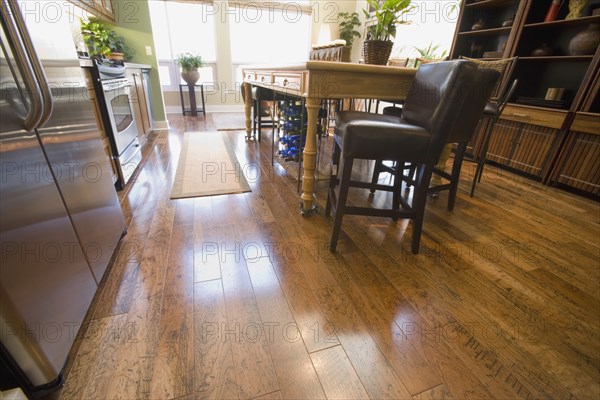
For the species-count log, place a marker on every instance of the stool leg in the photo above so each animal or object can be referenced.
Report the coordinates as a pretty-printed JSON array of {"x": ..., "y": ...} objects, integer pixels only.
[
  {"x": 273, "y": 112},
  {"x": 411, "y": 174},
  {"x": 254, "y": 103},
  {"x": 419, "y": 199},
  {"x": 456, "y": 166},
  {"x": 259, "y": 116},
  {"x": 335, "y": 162},
  {"x": 481, "y": 161},
  {"x": 398, "y": 173},
  {"x": 376, "y": 172},
  {"x": 341, "y": 202}
]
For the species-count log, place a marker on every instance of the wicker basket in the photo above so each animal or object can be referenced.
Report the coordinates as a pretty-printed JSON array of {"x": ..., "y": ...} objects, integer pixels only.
[{"x": 377, "y": 51}]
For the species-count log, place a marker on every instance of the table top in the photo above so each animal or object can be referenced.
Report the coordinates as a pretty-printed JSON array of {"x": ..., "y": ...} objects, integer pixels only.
[
  {"x": 333, "y": 66},
  {"x": 330, "y": 79}
]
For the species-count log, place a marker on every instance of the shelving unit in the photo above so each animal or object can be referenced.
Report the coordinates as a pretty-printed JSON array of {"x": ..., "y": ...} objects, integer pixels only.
[
  {"x": 578, "y": 162},
  {"x": 494, "y": 37},
  {"x": 541, "y": 138}
]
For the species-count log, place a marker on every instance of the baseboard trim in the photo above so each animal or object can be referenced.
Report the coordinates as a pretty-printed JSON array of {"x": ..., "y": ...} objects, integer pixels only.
[{"x": 161, "y": 125}]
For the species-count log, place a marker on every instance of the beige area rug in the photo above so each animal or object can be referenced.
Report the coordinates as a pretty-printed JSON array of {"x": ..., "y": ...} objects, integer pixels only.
[
  {"x": 226, "y": 121},
  {"x": 208, "y": 167}
]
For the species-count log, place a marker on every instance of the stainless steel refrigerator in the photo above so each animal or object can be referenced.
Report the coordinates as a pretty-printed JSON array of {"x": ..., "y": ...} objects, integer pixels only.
[{"x": 60, "y": 218}]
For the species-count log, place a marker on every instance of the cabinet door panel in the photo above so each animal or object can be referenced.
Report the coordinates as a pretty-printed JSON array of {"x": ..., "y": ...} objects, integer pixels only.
[
  {"x": 143, "y": 103},
  {"x": 532, "y": 149},
  {"x": 582, "y": 168},
  {"x": 503, "y": 140}
]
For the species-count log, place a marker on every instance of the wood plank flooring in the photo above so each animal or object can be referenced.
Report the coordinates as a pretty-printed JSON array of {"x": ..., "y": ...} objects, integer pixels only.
[{"x": 238, "y": 297}]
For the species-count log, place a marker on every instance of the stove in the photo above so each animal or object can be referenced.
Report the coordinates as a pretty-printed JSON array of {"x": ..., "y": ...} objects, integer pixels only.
[{"x": 113, "y": 90}]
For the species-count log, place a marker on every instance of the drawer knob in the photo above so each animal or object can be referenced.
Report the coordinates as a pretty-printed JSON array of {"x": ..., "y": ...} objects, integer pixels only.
[
  {"x": 285, "y": 82},
  {"x": 262, "y": 79}
]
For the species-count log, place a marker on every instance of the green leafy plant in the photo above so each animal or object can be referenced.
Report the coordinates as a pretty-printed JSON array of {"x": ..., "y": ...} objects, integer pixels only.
[
  {"x": 101, "y": 40},
  {"x": 189, "y": 61},
  {"x": 387, "y": 15},
  {"x": 347, "y": 24},
  {"x": 95, "y": 35},
  {"x": 117, "y": 45},
  {"x": 431, "y": 52}
]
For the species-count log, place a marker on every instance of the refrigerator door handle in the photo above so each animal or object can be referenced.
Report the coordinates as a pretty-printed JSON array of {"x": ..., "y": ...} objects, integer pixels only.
[
  {"x": 41, "y": 77},
  {"x": 36, "y": 105}
]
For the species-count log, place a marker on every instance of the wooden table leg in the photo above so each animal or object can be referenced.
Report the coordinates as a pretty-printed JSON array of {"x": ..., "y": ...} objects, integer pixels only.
[
  {"x": 247, "y": 107},
  {"x": 310, "y": 157}
]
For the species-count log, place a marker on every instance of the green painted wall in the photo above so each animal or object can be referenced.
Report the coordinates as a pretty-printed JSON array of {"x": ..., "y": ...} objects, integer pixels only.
[{"x": 132, "y": 21}]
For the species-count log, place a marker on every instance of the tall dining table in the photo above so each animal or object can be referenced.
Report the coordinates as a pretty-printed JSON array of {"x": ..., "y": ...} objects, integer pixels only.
[{"x": 318, "y": 80}]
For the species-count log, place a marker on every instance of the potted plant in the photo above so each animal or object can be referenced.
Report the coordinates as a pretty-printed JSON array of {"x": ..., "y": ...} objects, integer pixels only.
[
  {"x": 118, "y": 48},
  {"x": 386, "y": 15},
  {"x": 348, "y": 23},
  {"x": 95, "y": 35},
  {"x": 431, "y": 53},
  {"x": 103, "y": 41},
  {"x": 189, "y": 64}
]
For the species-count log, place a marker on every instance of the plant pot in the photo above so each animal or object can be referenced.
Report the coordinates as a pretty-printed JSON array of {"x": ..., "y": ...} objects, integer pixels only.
[
  {"x": 586, "y": 42},
  {"x": 115, "y": 55},
  {"x": 377, "y": 51},
  {"x": 190, "y": 77}
]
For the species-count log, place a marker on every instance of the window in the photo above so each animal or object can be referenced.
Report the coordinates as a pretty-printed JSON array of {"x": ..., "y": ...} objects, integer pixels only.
[
  {"x": 183, "y": 28},
  {"x": 430, "y": 23},
  {"x": 267, "y": 35}
]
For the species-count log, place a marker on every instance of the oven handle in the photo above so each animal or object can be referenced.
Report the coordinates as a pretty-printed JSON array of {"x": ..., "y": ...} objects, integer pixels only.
[
  {"x": 34, "y": 112},
  {"x": 127, "y": 85},
  {"x": 41, "y": 77}
]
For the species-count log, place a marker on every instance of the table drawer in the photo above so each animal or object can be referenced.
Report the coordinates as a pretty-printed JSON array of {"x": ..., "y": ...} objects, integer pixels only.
[
  {"x": 249, "y": 76},
  {"x": 535, "y": 116},
  {"x": 266, "y": 78},
  {"x": 291, "y": 81}
]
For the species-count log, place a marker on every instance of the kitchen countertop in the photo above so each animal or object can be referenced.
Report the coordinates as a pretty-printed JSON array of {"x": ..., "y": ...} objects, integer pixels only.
[
  {"x": 140, "y": 66},
  {"x": 87, "y": 63}
]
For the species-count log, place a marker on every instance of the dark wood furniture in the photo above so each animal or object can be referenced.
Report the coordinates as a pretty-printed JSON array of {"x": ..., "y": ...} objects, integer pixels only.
[
  {"x": 193, "y": 110},
  {"x": 318, "y": 80},
  {"x": 140, "y": 99},
  {"x": 437, "y": 110},
  {"x": 534, "y": 136}
]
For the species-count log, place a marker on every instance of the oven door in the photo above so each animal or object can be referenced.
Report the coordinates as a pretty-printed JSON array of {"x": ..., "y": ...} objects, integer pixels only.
[{"x": 123, "y": 124}]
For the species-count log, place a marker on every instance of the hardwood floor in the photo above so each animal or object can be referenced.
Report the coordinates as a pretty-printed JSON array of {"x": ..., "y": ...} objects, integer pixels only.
[{"x": 237, "y": 296}]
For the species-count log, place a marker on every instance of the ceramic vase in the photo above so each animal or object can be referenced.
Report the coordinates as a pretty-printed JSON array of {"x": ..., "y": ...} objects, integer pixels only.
[
  {"x": 586, "y": 42},
  {"x": 190, "y": 77},
  {"x": 480, "y": 24},
  {"x": 543, "y": 51}
]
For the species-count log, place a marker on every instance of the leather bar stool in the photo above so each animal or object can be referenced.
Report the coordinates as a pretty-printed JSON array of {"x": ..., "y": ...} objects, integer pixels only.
[
  {"x": 441, "y": 95},
  {"x": 493, "y": 110},
  {"x": 260, "y": 95},
  {"x": 500, "y": 97}
]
